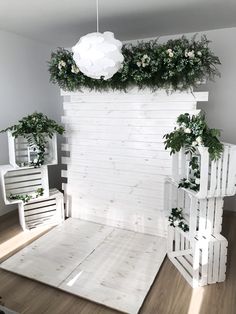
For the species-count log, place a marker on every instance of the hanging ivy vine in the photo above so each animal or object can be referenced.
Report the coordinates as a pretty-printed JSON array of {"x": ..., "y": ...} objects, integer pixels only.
[
  {"x": 176, "y": 219},
  {"x": 192, "y": 183},
  {"x": 179, "y": 64},
  {"x": 25, "y": 198}
]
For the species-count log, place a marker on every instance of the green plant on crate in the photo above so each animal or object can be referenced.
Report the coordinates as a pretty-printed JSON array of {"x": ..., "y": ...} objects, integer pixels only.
[
  {"x": 179, "y": 64},
  {"x": 37, "y": 128},
  {"x": 193, "y": 182},
  {"x": 176, "y": 219},
  {"x": 190, "y": 133},
  {"x": 25, "y": 198}
]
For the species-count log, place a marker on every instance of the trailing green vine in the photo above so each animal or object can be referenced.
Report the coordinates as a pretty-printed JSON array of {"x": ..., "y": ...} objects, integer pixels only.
[
  {"x": 179, "y": 64},
  {"x": 191, "y": 132},
  {"x": 37, "y": 128},
  {"x": 25, "y": 198},
  {"x": 176, "y": 219},
  {"x": 192, "y": 183}
]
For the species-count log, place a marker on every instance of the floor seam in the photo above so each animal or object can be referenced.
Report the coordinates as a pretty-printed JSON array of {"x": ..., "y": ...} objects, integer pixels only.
[{"x": 87, "y": 256}]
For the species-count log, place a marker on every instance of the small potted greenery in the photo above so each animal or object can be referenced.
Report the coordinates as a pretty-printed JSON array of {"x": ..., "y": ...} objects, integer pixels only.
[{"x": 37, "y": 129}]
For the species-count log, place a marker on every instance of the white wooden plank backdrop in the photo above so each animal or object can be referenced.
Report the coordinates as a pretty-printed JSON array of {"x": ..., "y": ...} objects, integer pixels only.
[{"x": 115, "y": 157}]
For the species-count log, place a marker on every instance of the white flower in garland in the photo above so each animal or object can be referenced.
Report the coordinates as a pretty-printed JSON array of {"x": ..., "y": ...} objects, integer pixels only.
[
  {"x": 144, "y": 61},
  {"x": 197, "y": 181},
  {"x": 74, "y": 69},
  {"x": 189, "y": 54},
  {"x": 194, "y": 143},
  {"x": 187, "y": 130},
  {"x": 199, "y": 53},
  {"x": 176, "y": 222},
  {"x": 199, "y": 140},
  {"x": 61, "y": 64},
  {"x": 170, "y": 53}
]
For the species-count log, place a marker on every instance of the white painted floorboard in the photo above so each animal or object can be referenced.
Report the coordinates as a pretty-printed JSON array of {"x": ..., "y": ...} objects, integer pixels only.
[
  {"x": 111, "y": 266},
  {"x": 55, "y": 255}
]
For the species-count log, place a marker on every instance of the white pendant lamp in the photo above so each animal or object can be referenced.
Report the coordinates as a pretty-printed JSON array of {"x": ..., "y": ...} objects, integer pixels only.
[{"x": 98, "y": 55}]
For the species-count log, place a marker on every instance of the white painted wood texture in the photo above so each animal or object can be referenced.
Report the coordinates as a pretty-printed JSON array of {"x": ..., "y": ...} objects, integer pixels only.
[
  {"x": 53, "y": 257},
  {"x": 203, "y": 216},
  {"x": 115, "y": 157},
  {"x": 47, "y": 211},
  {"x": 217, "y": 178},
  {"x": 104, "y": 264},
  {"x": 201, "y": 260},
  {"x": 19, "y": 153},
  {"x": 25, "y": 180}
]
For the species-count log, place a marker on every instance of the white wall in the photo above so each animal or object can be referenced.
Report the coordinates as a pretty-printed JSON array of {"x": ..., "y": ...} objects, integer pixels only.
[
  {"x": 25, "y": 88},
  {"x": 221, "y": 109}
]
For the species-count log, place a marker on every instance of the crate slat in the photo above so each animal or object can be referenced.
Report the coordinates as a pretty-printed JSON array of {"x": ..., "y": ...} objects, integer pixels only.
[
  {"x": 203, "y": 216},
  {"x": 217, "y": 178},
  {"x": 204, "y": 263},
  {"x": 38, "y": 212}
]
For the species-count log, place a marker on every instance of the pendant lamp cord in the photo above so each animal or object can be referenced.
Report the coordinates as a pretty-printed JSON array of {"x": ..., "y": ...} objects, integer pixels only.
[{"x": 97, "y": 17}]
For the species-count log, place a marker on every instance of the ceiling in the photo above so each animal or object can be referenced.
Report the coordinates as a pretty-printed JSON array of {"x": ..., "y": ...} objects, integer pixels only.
[{"x": 62, "y": 22}]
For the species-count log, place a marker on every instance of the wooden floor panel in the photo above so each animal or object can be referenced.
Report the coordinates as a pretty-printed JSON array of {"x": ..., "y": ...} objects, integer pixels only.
[
  {"x": 170, "y": 294},
  {"x": 104, "y": 264}
]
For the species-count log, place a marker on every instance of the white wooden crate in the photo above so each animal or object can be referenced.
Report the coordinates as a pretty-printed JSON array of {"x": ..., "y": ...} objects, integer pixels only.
[
  {"x": 46, "y": 211},
  {"x": 20, "y": 153},
  {"x": 203, "y": 216},
  {"x": 21, "y": 181},
  {"x": 201, "y": 261},
  {"x": 217, "y": 178}
]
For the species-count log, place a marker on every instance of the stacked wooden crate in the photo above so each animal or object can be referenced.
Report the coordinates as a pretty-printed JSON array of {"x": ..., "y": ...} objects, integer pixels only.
[
  {"x": 200, "y": 253},
  {"x": 19, "y": 178}
]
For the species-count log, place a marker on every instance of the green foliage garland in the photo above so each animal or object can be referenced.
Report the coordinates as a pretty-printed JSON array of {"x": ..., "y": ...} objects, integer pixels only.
[
  {"x": 25, "y": 198},
  {"x": 179, "y": 64},
  {"x": 176, "y": 219},
  {"x": 36, "y": 128}
]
